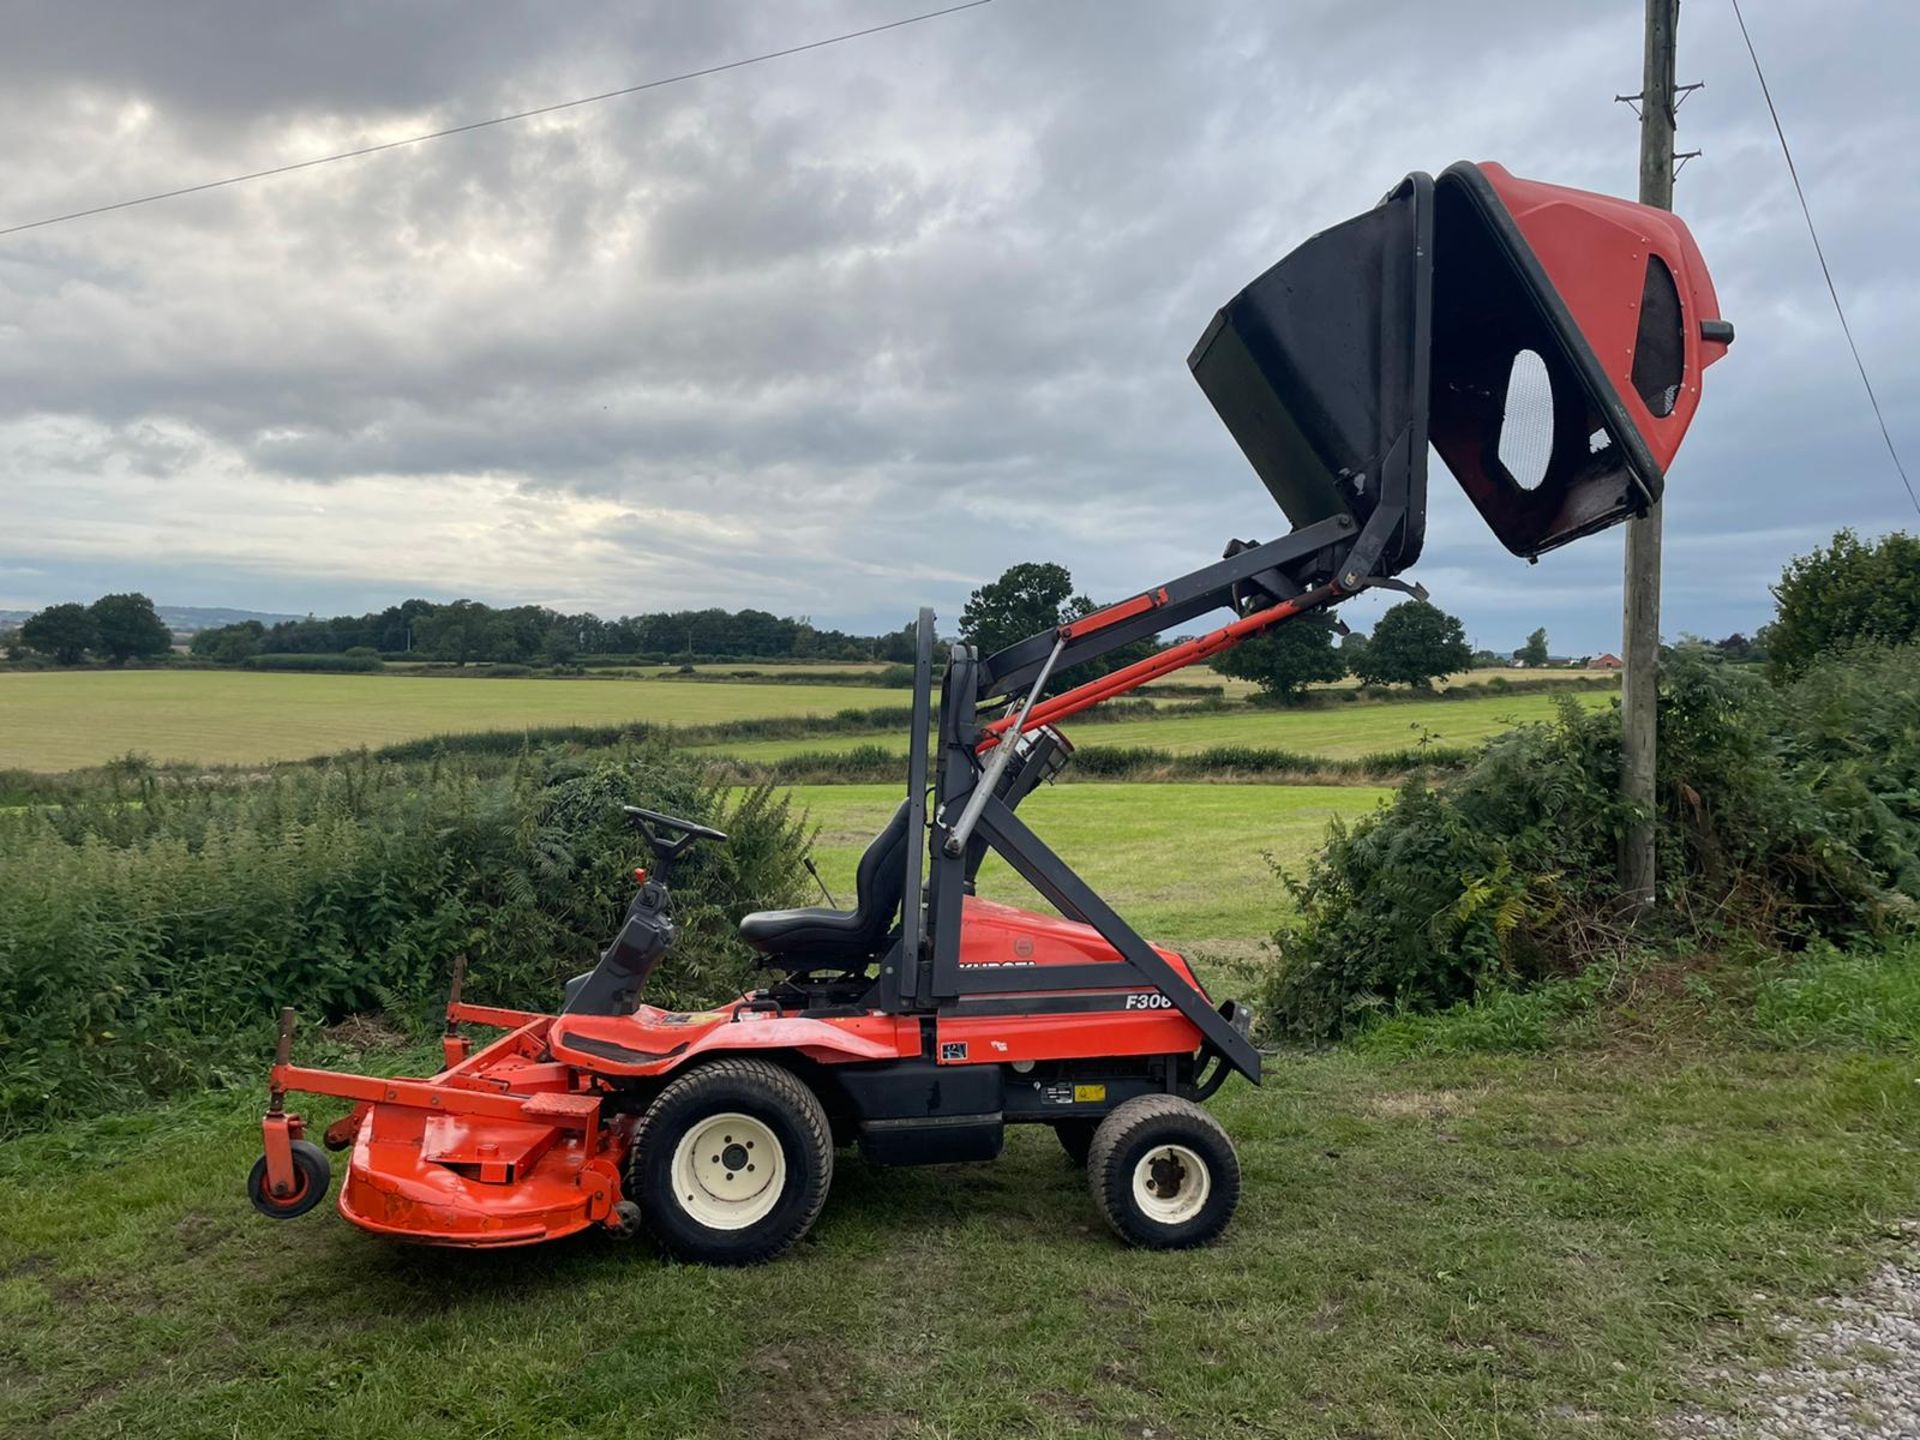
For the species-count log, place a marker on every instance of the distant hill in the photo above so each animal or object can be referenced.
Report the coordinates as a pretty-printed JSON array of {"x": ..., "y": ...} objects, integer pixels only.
[
  {"x": 184, "y": 618},
  {"x": 181, "y": 619}
]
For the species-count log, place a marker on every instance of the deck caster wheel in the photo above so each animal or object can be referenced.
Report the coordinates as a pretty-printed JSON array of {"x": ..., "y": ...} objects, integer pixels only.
[
  {"x": 1076, "y": 1138},
  {"x": 731, "y": 1163},
  {"x": 312, "y": 1174},
  {"x": 1163, "y": 1173},
  {"x": 623, "y": 1221}
]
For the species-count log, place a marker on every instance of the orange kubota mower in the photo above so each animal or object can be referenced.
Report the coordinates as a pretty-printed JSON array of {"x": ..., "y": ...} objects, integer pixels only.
[{"x": 1547, "y": 342}]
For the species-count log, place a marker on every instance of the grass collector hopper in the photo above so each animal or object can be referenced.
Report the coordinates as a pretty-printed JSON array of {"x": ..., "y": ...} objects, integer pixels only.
[{"x": 1548, "y": 344}]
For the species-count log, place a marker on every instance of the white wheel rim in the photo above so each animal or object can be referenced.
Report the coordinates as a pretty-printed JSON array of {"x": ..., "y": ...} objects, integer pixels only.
[
  {"x": 728, "y": 1171},
  {"x": 1171, "y": 1184}
]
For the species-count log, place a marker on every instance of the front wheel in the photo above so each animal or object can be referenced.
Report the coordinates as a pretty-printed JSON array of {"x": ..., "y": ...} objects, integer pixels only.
[
  {"x": 732, "y": 1163},
  {"x": 311, "y": 1175},
  {"x": 1163, "y": 1173}
]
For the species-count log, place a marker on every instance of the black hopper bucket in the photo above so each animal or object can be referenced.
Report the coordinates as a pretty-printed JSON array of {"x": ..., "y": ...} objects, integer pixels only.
[{"x": 1547, "y": 342}]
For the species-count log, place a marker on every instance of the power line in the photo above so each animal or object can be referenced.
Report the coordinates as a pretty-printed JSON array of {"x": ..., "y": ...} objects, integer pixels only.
[
  {"x": 1838, "y": 309},
  {"x": 496, "y": 120}
]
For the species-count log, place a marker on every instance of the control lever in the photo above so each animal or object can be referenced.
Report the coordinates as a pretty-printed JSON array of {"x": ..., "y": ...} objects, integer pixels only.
[{"x": 815, "y": 873}]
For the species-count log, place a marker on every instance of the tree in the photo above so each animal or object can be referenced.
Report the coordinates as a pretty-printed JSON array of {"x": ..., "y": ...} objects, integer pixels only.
[
  {"x": 1738, "y": 648},
  {"x": 1284, "y": 660},
  {"x": 458, "y": 632},
  {"x": 1415, "y": 643},
  {"x": 129, "y": 628},
  {"x": 1025, "y": 599},
  {"x": 229, "y": 644},
  {"x": 1845, "y": 594},
  {"x": 562, "y": 641},
  {"x": 1030, "y": 598},
  {"x": 66, "y": 632},
  {"x": 1353, "y": 650},
  {"x": 1533, "y": 654},
  {"x": 898, "y": 646}
]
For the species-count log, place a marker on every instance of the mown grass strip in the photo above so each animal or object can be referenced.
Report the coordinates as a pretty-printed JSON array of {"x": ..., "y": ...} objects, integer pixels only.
[{"x": 1183, "y": 863}]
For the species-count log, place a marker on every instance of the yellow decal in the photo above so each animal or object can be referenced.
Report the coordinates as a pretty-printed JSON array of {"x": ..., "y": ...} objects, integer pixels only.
[{"x": 1089, "y": 1094}]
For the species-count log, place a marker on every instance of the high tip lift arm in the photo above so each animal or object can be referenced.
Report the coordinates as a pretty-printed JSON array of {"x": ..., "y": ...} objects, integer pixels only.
[{"x": 978, "y": 772}]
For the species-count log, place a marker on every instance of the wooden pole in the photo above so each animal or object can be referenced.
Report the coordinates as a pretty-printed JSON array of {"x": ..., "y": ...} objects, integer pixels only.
[{"x": 1640, "y": 648}]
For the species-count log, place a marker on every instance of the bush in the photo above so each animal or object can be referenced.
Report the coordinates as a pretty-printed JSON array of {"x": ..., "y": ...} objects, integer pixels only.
[
  {"x": 1850, "y": 735},
  {"x": 1786, "y": 816},
  {"x": 324, "y": 664},
  {"x": 151, "y": 927}
]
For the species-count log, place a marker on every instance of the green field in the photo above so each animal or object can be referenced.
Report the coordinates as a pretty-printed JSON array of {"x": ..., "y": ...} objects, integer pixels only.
[
  {"x": 1240, "y": 689},
  {"x": 1337, "y": 732},
  {"x": 55, "y": 721},
  {"x": 1183, "y": 864},
  {"x": 1526, "y": 1246}
]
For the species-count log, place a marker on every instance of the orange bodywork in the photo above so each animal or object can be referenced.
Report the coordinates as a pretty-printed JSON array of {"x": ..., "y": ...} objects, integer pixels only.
[
  {"x": 512, "y": 1143},
  {"x": 1140, "y": 1022}
]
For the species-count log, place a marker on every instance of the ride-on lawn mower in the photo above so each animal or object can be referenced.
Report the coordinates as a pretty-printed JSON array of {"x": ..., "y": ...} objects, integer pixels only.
[{"x": 1548, "y": 342}]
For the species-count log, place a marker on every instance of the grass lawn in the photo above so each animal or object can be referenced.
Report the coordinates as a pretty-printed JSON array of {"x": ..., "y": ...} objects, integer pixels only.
[
  {"x": 1184, "y": 864},
  {"x": 52, "y": 721},
  {"x": 1338, "y": 732},
  {"x": 1477, "y": 1245}
]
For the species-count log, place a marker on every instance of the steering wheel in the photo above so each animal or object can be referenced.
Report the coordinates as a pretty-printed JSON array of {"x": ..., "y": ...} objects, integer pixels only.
[{"x": 666, "y": 850}]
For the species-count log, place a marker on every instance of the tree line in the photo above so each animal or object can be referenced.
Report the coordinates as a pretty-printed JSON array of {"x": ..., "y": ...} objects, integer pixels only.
[
  {"x": 1850, "y": 591},
  {"x": 468, "y": 631}
]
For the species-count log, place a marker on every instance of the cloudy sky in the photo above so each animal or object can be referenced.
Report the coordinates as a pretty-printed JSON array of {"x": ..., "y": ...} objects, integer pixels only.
[{"x": 851, "y": 331}]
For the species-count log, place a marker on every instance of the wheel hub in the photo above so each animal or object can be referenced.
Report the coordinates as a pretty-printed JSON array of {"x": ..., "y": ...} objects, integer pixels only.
[
  {"x": 1167, "y": 1174},
  {"x": 728, "y": 1171},
  {"x": 1171, "y": 1184}
]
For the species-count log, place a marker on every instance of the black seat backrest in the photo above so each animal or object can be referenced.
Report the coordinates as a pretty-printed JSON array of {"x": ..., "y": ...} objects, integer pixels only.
[{"x": 881, "y": 881}]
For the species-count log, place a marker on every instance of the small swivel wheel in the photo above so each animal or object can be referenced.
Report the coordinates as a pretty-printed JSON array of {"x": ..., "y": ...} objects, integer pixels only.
[
  {"x": 1163, "y": 1173},
  {"x": 311, "y": 1174}
]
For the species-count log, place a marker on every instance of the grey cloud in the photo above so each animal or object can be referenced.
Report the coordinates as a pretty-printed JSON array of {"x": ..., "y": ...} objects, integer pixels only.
[{"x": 891, "y": 314}]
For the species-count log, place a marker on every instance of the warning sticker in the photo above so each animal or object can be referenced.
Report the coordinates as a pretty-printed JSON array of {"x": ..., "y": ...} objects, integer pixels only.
[
  {"x": 1089, "y": 1094},
  {"x": 1058, "y": 1092},
  {"x": 953, "y": 1050}
]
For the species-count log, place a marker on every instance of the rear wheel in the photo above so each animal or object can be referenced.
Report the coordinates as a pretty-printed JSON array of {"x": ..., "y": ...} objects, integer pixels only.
[
  {"x": 732, "y": 1163},
  {"x": 1163, "y": 1173}
]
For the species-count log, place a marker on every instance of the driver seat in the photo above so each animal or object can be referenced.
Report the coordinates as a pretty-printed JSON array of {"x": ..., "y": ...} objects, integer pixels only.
[{"x": 818, "y": 937}]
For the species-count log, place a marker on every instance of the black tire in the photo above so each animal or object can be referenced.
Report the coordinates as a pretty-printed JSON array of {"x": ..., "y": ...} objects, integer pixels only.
[
  {"x": 311, "y": 1170},
  {"x": 768, "y": 1097},
  {"x": 1162, "y": 1140},
  {"x": 1076, "y": 1138}
]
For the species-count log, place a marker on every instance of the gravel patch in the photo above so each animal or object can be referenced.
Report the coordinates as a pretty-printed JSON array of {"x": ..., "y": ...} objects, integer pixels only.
[{"x": 1855, "y": 1374}]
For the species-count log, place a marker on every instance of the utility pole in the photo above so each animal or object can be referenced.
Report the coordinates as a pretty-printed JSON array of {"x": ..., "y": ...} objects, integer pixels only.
[{"x": 1640, "y": 648}]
